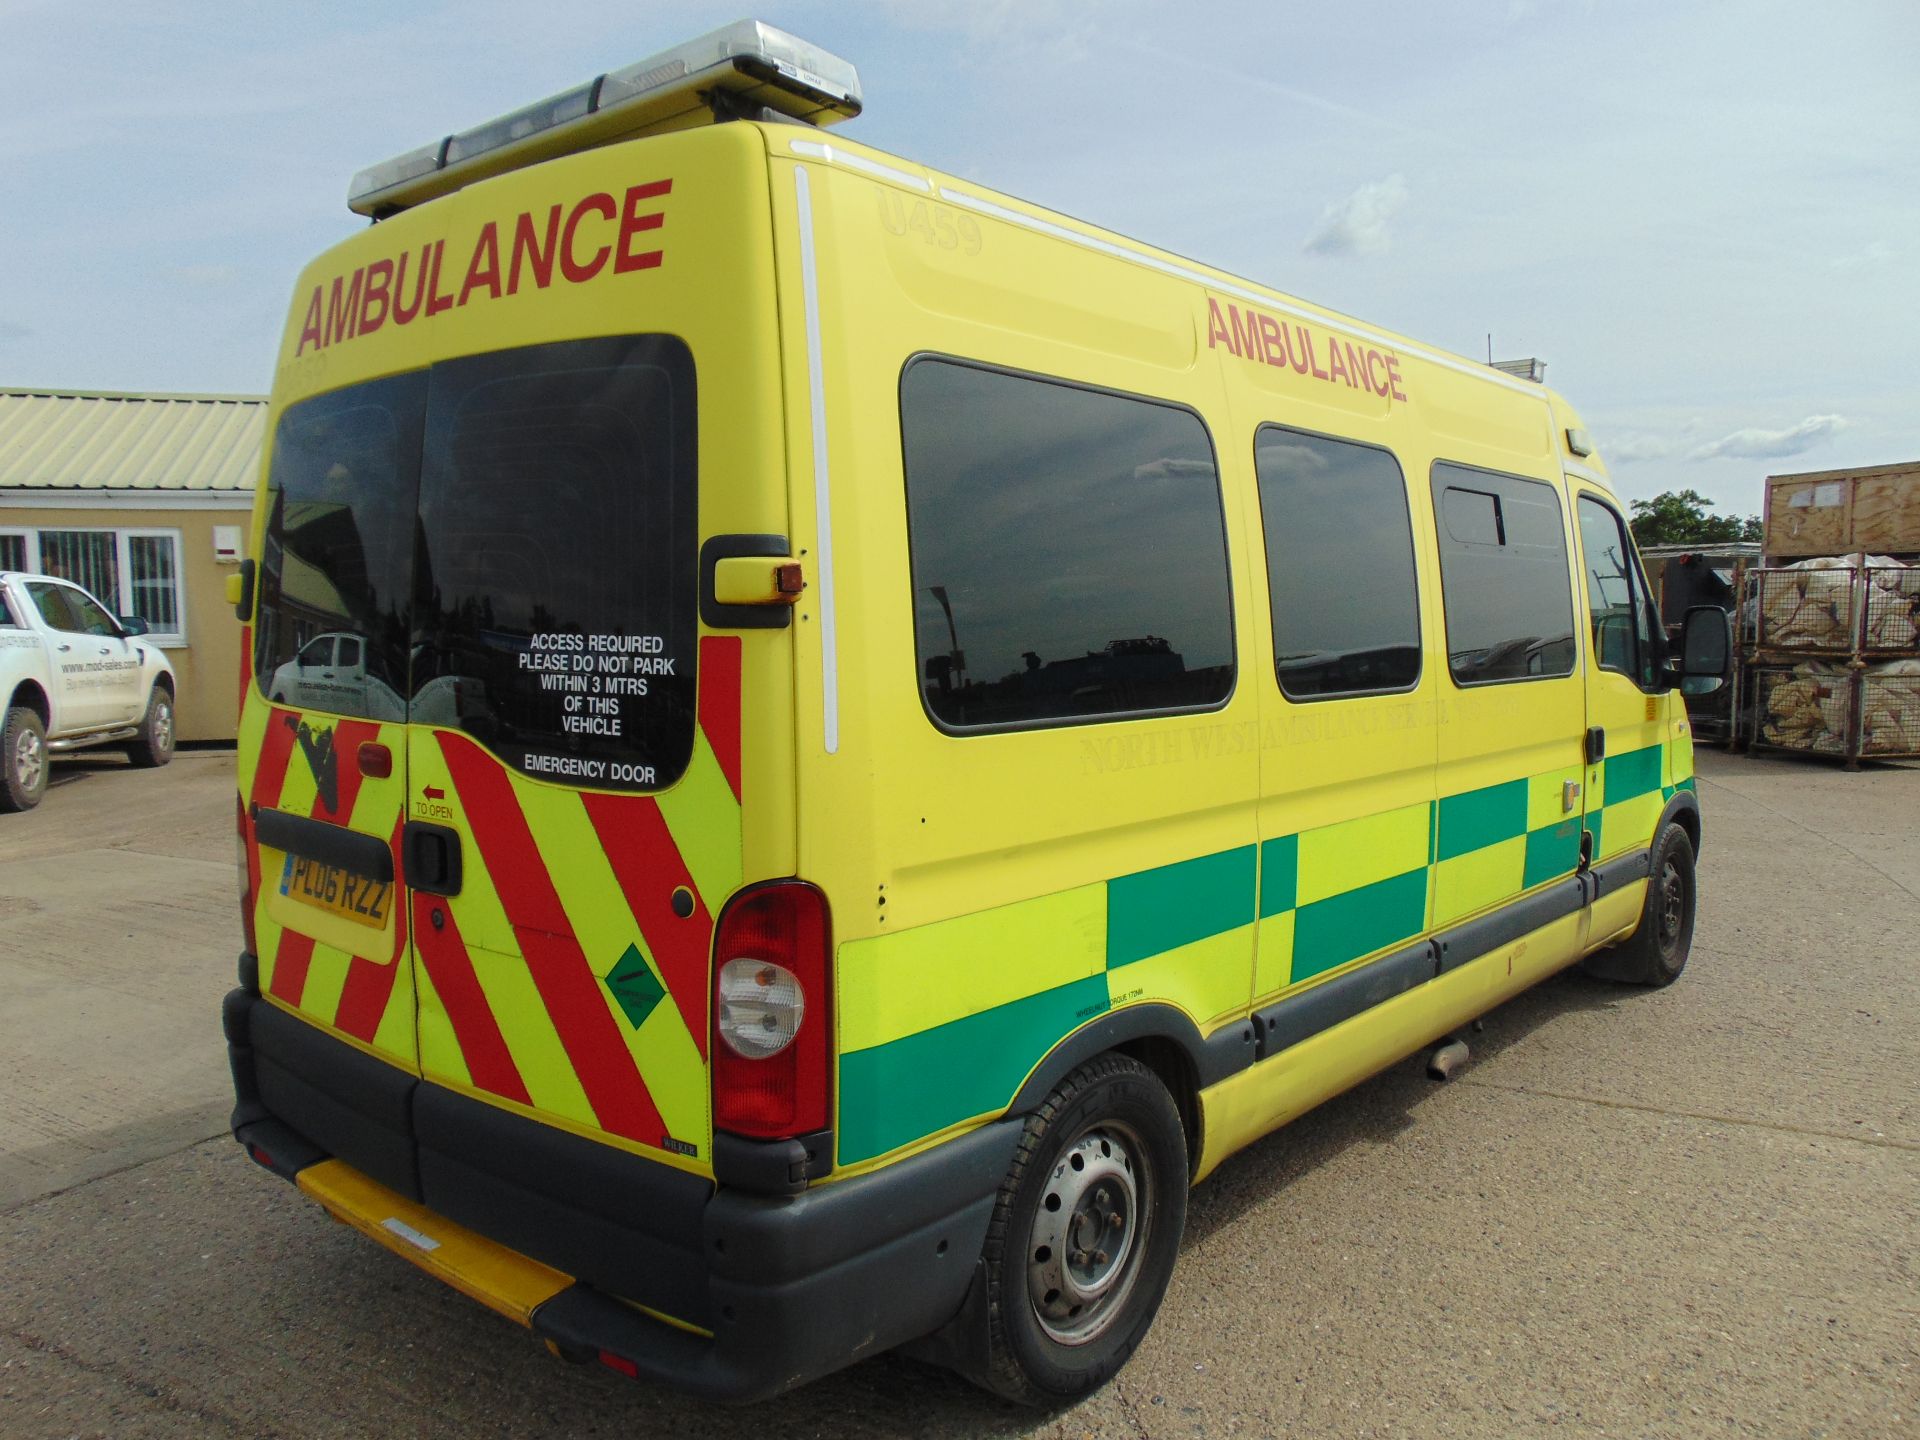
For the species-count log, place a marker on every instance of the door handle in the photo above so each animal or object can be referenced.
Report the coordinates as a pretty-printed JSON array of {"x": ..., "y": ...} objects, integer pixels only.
[
  {"x": 65, "y": 648},
  {"x": 430, "y": 856},
  {"x": 1596, "y": 745}
]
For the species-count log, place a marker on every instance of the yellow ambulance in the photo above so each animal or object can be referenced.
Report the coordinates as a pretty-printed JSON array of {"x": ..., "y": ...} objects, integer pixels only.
[{"x": 879, "y": 732}]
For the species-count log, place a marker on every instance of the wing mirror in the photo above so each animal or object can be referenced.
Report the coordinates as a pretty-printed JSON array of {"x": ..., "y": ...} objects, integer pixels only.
[
  {"x": 1706, "y": 650},
  {"x": 133, "y": 625}
]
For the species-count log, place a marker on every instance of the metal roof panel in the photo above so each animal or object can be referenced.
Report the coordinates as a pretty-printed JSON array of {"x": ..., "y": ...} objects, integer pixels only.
[{"x": 76, "y": 440}]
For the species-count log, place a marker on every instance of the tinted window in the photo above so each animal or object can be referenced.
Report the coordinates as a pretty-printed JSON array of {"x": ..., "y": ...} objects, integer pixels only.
[
  {"x": 1068, "y": 550},
  {"x": 1340, "y": 569},
  {"x": 51, "y": 602},
  {"x": 92, "y": 619},
  {"x": 1503, "y": 576},
  {"x": 554, "y": 602},
  {"x": 339, "y": 544},
  {"x": 1622, "y": 616}
]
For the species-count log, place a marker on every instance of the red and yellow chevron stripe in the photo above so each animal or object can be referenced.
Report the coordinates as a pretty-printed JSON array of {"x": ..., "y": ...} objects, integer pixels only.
[{"x": 561, "y": 980}]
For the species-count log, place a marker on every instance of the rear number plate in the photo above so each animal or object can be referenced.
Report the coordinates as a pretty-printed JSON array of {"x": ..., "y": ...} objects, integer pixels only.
[{"x": 336, "y": 891}]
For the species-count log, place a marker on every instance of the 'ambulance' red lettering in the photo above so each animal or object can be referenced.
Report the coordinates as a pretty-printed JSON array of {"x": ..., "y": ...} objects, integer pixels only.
[{"x": 1256, "y": 336}]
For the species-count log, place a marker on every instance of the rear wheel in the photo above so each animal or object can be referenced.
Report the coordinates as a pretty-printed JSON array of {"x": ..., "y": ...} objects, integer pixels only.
[
  {"x": 154, "y": 744},
  {"x": 23, "y": 760},
  {"x": 1085, "y": 1233},
  {"x": 1657, "y": 953}
]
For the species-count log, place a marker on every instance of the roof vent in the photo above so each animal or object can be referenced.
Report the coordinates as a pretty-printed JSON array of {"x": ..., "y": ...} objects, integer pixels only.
[{"x": 1528, "y": 369}]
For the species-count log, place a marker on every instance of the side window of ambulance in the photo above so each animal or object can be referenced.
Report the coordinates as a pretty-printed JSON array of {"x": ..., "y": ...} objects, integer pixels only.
[
  {"x": 1622, "y": 614},
  {"x": 1504, "y": 577},
  {"x": 1068, "y": 548},
  {"x": 1340, "y": 568}
]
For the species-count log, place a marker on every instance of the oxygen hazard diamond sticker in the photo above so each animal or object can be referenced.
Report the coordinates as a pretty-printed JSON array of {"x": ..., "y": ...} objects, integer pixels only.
[{"x": 635, "y": 987}]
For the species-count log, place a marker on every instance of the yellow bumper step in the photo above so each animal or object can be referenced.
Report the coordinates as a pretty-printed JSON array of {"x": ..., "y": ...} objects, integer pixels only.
[{"x": 501, "y": 1279}]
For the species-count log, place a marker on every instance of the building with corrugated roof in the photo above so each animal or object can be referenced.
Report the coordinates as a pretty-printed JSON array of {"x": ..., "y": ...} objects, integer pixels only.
[{"x": 143, "y": 499}]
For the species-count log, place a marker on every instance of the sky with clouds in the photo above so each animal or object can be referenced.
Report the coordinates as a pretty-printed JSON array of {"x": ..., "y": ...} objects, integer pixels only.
[{"x": 1704, "y": 216}]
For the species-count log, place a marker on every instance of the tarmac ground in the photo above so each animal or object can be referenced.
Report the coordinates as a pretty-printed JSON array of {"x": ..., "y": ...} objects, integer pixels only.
[{"x": 1645, "y": 1213}]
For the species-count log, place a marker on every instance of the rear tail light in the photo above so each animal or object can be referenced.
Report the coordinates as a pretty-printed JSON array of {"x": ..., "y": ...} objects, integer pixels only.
[
  {"x": 772, "y": 1047},
  {"x": 247, "y": 881}
]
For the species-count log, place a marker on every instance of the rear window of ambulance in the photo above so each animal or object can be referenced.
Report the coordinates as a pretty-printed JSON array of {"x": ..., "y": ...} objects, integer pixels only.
[
  {"x": 507, "y": 544},
  {"x": 554, "y": 610}
]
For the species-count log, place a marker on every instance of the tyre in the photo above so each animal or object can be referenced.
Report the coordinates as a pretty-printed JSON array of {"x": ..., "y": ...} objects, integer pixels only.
[
  {"x": 153, "y": 746},
  {"x": 23, "y": 760},
  {"x": 1084, "y": 1235},
  {"x": 1657, "y": 953}
]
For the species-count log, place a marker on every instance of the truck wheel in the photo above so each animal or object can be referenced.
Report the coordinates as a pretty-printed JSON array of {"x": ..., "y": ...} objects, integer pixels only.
[
  {"x": 1657, "y": 953},
  {"x": 1083, "y": 1239},
  {"x": 23, "y": 758},
  {"x": 153, "y": 746}
]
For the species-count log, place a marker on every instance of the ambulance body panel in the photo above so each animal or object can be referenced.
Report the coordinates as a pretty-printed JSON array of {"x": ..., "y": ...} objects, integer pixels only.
[{"x": 1111, "y": 647}]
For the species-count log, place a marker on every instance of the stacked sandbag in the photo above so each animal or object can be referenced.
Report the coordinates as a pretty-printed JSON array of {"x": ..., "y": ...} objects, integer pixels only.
[
  {"x": 1893, "y": 604},
  {"x": 1808, "y": 606},
  {"x": 1809, "y": 710},
  {"x": 1890, "y": 708}
]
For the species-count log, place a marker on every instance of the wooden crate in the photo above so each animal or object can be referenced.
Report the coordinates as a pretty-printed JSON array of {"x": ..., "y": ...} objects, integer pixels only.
[{"x": 1836, "y": 512}]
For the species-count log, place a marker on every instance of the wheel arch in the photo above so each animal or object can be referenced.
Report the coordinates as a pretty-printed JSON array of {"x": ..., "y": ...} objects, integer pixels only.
[
  {"x": 29, "y": 694},
  {"x": 1160, "y": 1037},
  {"x": 1683, "y": 810}
]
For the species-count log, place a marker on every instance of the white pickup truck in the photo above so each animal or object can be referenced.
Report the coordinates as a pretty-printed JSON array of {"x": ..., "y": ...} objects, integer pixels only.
[{"x": 73, "y": 676}]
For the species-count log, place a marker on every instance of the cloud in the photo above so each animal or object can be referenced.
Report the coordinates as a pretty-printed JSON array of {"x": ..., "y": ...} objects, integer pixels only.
[
  {"x": 1877, "y": 252},
  {"x": 1771, "y": 444},
  {"x": 1635, "y": 449},
  {"x": 1063, "y": 29},
  {"x": 205, "y": 277},
  {"x": 1357, "y": 225},
  {"x": 12, "y": 330}
]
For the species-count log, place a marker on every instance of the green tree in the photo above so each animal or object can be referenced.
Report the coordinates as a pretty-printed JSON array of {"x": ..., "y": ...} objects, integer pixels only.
[{"x": 1684, "y": 517}]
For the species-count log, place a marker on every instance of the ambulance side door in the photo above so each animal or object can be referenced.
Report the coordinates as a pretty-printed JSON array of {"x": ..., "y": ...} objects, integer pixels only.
[{"x": 1626, "y": 652}]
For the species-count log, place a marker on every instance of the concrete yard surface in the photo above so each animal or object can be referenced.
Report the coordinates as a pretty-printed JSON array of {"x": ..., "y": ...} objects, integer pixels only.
[{"x": 1686, "y": 1212}]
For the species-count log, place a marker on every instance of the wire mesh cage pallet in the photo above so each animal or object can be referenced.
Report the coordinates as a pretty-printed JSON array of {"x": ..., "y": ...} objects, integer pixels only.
[
  {"x": 1854, "y": 610},
  {"x": 1829, "y": 661},
  {"x": 1844, "y": 711}
]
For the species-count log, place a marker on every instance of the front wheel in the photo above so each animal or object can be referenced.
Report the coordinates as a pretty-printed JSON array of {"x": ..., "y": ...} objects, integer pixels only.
[
  {"x": 1084, "y": 1236},
  {"x": 153, "y": 746},
  {"x": 23, "y": 759},
  {"x": 1657, "y": 951}
]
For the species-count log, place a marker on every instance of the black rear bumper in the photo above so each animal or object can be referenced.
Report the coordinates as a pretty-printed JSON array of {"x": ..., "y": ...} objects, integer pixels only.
[{"x": 791, "y": 1287}]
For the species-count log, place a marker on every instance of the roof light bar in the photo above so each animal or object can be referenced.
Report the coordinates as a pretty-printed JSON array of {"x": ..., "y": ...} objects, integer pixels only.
[{"x": 754, "y": 64}]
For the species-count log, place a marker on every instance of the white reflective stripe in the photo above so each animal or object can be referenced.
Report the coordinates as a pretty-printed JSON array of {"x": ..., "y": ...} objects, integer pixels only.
[
  {"x": 822, "y": 494},
  {"x": 818, "y": 151},
  {"x": 1227, "y": 287},
  {"x": 407, "y": 1233},
  {"x": 1585, "y": 473}
]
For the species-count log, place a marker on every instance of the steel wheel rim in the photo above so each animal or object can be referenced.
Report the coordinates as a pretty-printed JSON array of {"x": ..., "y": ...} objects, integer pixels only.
[
  {"x": 1089, "y": 1234},
  {"x": 29, "y": 761},
  {"x": 1672, "y": 904}
]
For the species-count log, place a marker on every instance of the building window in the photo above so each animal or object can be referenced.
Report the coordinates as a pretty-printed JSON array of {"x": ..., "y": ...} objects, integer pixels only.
[
  {"x": 1504, "y": 579},
  {"x": 131, "y": 572},
  {"x": 1068, "y": 550},
  {"x": 1340, "y": 571}
]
